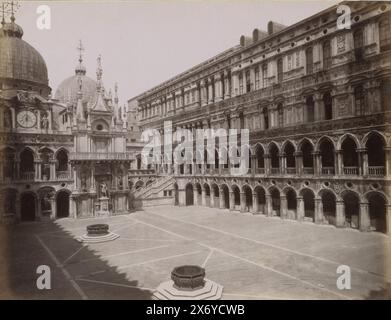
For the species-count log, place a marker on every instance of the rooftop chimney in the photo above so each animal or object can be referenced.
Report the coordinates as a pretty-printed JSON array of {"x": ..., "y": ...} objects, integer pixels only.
[{"x": 273, "y": 27}]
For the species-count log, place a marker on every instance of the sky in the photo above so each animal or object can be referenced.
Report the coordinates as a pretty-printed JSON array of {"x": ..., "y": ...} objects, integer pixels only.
[{"x": 143, "y": 43}]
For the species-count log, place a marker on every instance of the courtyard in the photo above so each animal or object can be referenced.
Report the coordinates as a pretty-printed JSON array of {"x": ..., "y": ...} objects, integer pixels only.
[{"x": 252, "y": 256}]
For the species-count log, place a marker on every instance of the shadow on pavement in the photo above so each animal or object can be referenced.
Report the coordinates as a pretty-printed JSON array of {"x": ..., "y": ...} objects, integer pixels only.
[{"x": 21, "y": 252}]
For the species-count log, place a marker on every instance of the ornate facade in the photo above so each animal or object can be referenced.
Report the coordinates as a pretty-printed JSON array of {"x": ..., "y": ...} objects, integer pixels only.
[
  {"x": 316, "y": 100},
  {"x": 63, "y": 157}
]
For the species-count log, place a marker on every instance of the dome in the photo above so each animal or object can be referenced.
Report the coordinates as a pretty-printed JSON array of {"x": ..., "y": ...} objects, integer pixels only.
[
  {"x": 68, "y": 89},
  {"x": 18, "y": 59}
]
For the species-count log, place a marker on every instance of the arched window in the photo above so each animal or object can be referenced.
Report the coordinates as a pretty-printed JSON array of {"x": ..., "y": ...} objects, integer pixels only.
[
  {"x": 328, "y": 106},
  {"x": 248, "y": 81},
  {"x": 240, "y": 83},
  {"x": 27, "y": 161},
  {"x": 257, "y": 78},
  {"x": 62, "y": 161},
  {"x": 309, "y": 60},
  {"x": 280, "y": 111},
  {"x": 358, "y": 44},
  {"x": 309, "y": 101},
  {"x": 279, "y": 70},
  {"x": 359, "y": 100},
  {"x": 385, "y": 34},
  {"x": 326, "y": 55},
  {"x": 265, "y": 117},
  {"x": 264, "y": 76},
  {"x": 241, "y": 120}
]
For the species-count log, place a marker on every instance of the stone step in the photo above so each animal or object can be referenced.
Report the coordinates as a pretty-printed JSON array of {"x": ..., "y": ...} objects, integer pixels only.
[
  {"x": 167, "y": 291},
  {"x": 98, "y": 239}
]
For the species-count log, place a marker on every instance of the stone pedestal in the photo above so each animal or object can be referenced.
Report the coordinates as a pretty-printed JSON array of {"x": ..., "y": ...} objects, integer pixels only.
[{"x": 103, "y": 207}]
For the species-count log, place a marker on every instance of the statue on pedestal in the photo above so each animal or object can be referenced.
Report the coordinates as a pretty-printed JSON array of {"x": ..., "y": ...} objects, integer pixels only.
[
  {"x": 45, "y": 122},
  {"x": 103, "y": 190}
]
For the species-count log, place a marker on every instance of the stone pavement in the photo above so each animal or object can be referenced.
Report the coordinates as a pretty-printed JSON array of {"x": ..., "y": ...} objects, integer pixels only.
[{"x": 253, "y": 257}]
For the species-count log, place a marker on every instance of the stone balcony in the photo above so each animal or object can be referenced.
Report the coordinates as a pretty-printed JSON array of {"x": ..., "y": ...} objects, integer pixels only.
[
  {"x": 31, "y": 176},
  {"x": 96, "y": 156}
]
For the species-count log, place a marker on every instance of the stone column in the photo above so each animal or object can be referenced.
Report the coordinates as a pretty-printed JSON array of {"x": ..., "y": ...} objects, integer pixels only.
[
  {"x": 54, "y": 209},
  {"x": 300, "y": 208},
  {"x": 318, "y": 215},
  {"x": 75, "y": 179},
  {"x": 195, "y": 197},
  {"x": 340, "y": 214},
  {"x": 359, "y": 156},
  {"x": 339, "y": 164},
  {"x": 38, "y": 174},
  {"x": 364, "y": 219},
  {"x": 218, "y": 88},
  {"x": 255, "y": 208},
  {"x": 52, "y": 169},
  {"x": 227, "y": 93},
  {"x": 266, "y": 157},
  {"x": 231, "y": 201},
  {"x": 317, "y": 163},
  {"x": 283, "y": 206},
  {"x": 235, "y": 84},
  {"x": 73, "y": 207},
  {"x": 299, "y": 162},
  {"x": 242, "y": 202},
  {"x": 269, "y": 205},
  {"x": 212, "y": 198},
  {"x": 203, "y": 196},
  {"x": 203, "y": 93},
  {"x": 210, "y": 91},
  {"x": 221, "y": 199},
  {"x": 253, "y": 164},
  {"x": 282, "y": 158}
]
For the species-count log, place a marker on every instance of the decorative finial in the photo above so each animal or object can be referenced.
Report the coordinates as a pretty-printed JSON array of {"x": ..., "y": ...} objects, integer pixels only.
[
  {"x": 116, "y": 93},
  {"x": 80, "y": 48},
  {"x": 99, "y": 73},
  {"x": 80, "y": 83},
  {"x": 9, "y": 8},
  {"x": 80, "y": 68}
]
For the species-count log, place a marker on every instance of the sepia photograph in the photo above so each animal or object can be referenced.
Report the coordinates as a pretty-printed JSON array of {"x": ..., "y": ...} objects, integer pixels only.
[{"x": 195, "y": 150}]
